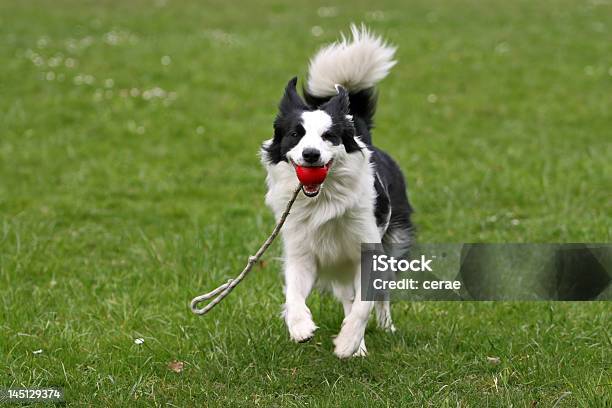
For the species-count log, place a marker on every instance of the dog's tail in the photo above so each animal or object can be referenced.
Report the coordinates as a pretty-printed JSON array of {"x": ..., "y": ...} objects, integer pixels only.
[{"x": 357, "y": 64}]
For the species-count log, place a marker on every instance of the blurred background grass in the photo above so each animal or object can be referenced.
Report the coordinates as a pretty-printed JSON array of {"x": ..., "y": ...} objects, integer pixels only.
[{"x": 129, "y": 182}]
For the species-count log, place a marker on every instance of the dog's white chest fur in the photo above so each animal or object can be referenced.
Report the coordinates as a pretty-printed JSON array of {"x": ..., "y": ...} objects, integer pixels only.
[{"x": 335, "y": 241}]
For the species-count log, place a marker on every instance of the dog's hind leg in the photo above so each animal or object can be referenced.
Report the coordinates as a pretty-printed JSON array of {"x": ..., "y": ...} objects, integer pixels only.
[
  {"x": 383, "y": 315},
  {"x": 396, "y": 241}
]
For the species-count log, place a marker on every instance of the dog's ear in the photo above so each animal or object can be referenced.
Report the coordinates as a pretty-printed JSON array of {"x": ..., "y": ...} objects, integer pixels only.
[
  {"x": 339, "y": 104},
  {"x": 291, "y": 99},
  {"x": 338, "y": 108}
]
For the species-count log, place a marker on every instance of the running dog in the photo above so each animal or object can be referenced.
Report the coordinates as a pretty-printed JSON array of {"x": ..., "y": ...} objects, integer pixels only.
[{"x": 363, "y": 198}]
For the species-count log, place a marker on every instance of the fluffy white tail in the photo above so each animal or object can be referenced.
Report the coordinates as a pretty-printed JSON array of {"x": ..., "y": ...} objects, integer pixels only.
[{"x": 356, "y": 64}]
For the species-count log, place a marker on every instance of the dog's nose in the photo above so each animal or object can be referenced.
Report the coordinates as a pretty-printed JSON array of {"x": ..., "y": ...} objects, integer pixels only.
[{"x": 311, "y": 155}]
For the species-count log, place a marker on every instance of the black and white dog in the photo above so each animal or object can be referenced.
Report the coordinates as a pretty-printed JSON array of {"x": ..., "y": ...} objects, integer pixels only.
[{"x": 362, "y": 200}]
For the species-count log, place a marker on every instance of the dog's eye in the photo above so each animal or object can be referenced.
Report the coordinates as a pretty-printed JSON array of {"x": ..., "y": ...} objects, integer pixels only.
[
  {"x": 293, "y": 134},
  {"x": 326, "y": 136}
]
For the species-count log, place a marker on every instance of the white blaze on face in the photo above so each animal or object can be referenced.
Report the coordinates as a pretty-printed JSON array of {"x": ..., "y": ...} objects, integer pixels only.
[{"x": 315, "y": 123}]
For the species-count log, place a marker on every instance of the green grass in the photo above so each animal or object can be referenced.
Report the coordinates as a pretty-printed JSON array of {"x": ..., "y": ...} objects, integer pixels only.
[{"x": 116, "y": 209}]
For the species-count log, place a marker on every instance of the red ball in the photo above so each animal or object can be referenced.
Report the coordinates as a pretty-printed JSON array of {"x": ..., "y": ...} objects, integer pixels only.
[{"x": 311, "y": 175}]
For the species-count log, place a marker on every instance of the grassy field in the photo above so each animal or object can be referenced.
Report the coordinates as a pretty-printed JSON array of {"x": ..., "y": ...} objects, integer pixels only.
[{"x": 130, "y": 182}]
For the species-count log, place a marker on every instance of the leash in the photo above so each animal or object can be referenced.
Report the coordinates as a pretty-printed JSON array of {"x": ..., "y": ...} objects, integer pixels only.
[{"x": 222, "y": 291}]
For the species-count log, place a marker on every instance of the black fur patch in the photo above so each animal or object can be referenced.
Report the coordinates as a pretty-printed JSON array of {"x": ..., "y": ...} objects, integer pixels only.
[
  {"x": 391, "y": 196},
  {"x": 383, "y": 204},
  {"x": 288, "y": 128}
]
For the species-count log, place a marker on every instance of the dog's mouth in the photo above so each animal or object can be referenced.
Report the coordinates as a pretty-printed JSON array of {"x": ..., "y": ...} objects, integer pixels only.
[{"x": 313, "y": 189}]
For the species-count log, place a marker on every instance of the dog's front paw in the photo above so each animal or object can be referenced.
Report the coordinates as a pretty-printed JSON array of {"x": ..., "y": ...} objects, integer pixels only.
[
  {"x": 301, "y": 330},
  {"x": 348, "y": 342}
]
